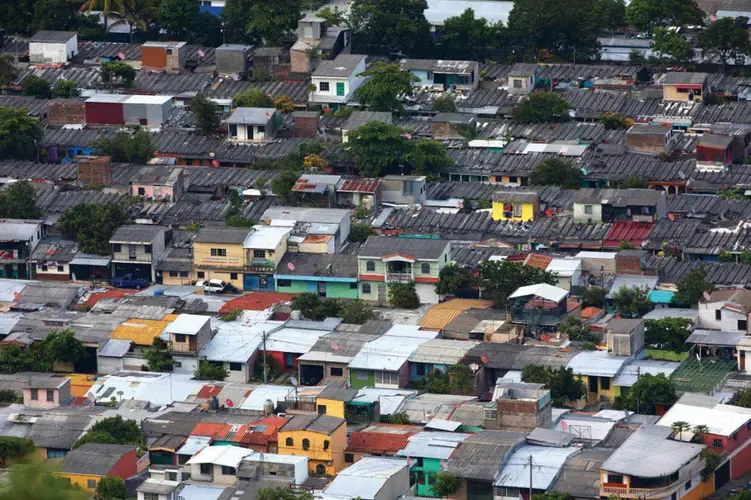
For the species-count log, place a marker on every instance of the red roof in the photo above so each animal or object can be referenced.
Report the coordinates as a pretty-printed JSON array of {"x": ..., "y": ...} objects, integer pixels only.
[
  {"x": 209, "y": 391},
  {"x": 633, "y": 232},
  {"x": 377, "y": 442},
  {"x": 256, "y": 301},
  {"x": 115, "y": 293},
  {"x": 591, "y": 311},
  {"x": 519, "y": 257},
  {"x": 539, "y": 261},
  {"x": 360, "y": 185},
  {"x": 211, "y": 429},
  {"x": 260, "y": 432}
]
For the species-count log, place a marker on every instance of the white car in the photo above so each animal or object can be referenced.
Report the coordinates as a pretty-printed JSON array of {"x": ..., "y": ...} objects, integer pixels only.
[{"x": 216, "y": 286}]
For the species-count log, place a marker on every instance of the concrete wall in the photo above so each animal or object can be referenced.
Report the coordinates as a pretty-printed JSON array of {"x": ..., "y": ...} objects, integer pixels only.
[
  {"x": 52, "y": 53},
  {"x": 728, "y": 321},
  {"x": 334, "y": 289},
  {"x": 527, "y": 211},
  {"x": 580, "y": 212}
]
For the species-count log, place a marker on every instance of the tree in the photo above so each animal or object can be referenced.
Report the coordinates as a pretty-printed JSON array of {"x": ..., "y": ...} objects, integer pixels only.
[
  {"x": 454, "y": 280},
  {"x": 427, "y": 156},
  {"x": 632, "y": 302},
  {"x": 272, "y": 22},
  {"x": 401, "y": 418},
  {"x": 32, "y": 481},
  {"x": 283, "y": 493},
  {"x": 360, "y": 231},
  {"x": 445, "y": 484},
  {"x": 725, "y": 39},
  {"x": 434, "y": 382},
  {"x": 671, "y": 46},
  {"x": 7, "y": 69},
  {"x": 634, "y": 182},
  {"x": 14, "y": 359},
  {"x": 700, "y": 432},
  {"x": 647, "y": 14},
  {"x": 66, "y": 89},
  {"x": 553, "y": 495},
  {"x": 205, "y": 114},
  {"x": 111, "y": 488},
  {"x": 92, "y": 225},
  {"x": 35, "y": 86},
  {"x": 498, "y": 280},
  {"x": 108, "y": 7},
  {"x": 567, "y": 31},
  {"x": 445, "y": 103},
  {"x": 403, "y": 296},
  {"x": 556, "y": 172},
  {"x": 122, "y": 431},
  {"x": 252, "y": 98},
  {"x": 282, "y": 185},
  {"x": 741, "y": 495},
  {"x": 158, "y": 357},
  {"x": 563, "y": 384},
  {"x": 741, "y": 397},
  {"x": 210, "y": 371},
  {"x": 60, "y": 346},
  {"x": 593, "y": 296},
  {"x": 542, "y": 108},
  {"x": 712, "y": 460},
  {"x": 18, "y": 201},
  {"x": 692, "y": 286},
  {"x": 679, "y": 427},
  {"x": 398, "y": 27},
  {"x": 616, "y": 121},
  {"x": 14, "y": 447},
  {"x": 667, "y": 333},
  {"x": 576, "y": 330},
  {"x": 110, "y": 70},
  {"x": 647, "y": 392},
  {"x": 19, "y": 134},
  {"x": 316, "y": 308},
  {"x": 612, "y": 13},
  {"x": 207, "y": 30},
  {"x": 177, "y": 17},
  {"x": 17, "y": 17},
  {"x": 334, "y": 17},
  {"x": 467, "y": 37},
  {"x": 125, "y": 147},
  {"x": 386, "y": 85},
  {"x": 53, "y": 15},
  {"x": 357, "y": 312}
]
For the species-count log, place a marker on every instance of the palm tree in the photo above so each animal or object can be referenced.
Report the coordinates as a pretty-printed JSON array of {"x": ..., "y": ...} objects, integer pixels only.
[
  {"x": 700, "y": 431},
  {"x": 140, "y": 13},
  {"x": 106, "y": 6},
  {"x": 679, "y": 427}
]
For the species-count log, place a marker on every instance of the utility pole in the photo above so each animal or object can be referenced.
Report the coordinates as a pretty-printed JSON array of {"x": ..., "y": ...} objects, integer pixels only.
[
  {"x": 530, "y": 477},
  {"x": 638, "y": 372},
  {"x": 265, "y": 372}
]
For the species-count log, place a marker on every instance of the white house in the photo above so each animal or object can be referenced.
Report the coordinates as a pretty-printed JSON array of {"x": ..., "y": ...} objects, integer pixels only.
[
  {"x": 252, "y": 124},
  {"x": 335, "y": 81},
  {"x": 725, "y": 310},
  {"x": 53, "y": 47}
]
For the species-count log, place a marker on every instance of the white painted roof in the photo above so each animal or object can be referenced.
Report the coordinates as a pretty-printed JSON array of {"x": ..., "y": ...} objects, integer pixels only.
[
  {"x": 700, "y": 409},
  {"x": 157, "y": 388},
  {"x": 432, "y": 444},
  {"x": 265, "y": 237},
  {"x": 200, "y": 492},
  {"x": 261, "y": 393},
  {"x": 631, "y": 282},
  {"x": 228, "y": 456},
  {"x": 193, "y": 445},
  {"x": 293, "y": 340},
  {"x": 596, "y": 255},
  {"x": 443, "y": 425},
  {"x": 363, "y": 479},
  {"x": 234, "y": 342},
  {"x": 547, "y": 292},
  {"x": 596, "y": 363},
  {"x": 672, "y": 312},
  {"x": 148, "y": 99},
  {"x": 391, "y": 351},
  {"x": 274, "y": 458},
  {"x": 564, "y": 267},
  {"x": 546, "y": 464},
  {"x": 628, "y": 374},
  {"x": 187, "y": 324}
]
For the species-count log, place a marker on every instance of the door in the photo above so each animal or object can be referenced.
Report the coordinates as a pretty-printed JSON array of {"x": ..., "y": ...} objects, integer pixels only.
[
  {"x": 321, "y": 288},
  {"x": 381, "y": 293},
  {"x": 289, "y": 360},
  {"x": 593, "y": 385},
  {"x": 340, "y": 88},
  {"x": 312, "y": 287},
  {"x": 251, "y": 282}
]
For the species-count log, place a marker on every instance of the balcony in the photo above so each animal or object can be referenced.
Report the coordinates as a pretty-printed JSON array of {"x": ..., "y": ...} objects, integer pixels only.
[
  {"x": 399, "y": 278},
  {"x": 257, "y": 264},
  {"x": 641, "y": 493}
]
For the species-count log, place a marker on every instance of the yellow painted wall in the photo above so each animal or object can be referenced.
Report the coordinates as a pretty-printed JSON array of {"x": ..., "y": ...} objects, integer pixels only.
[
  {"x": 80, "y": 384},
  {"x": 333, "y": 407},
  {"x": 316, "y": 454},
  {"x": 177, "y": 280},
  {"x": 81, "y": 480},
  {"x": 671, "y": 93},
  {"x": 528, "y": 212},
  {"x": 504, "y": 179},
  {"x": 703, "y": 490},
  {"x": 219, "y": 268},
  {"x": 610, "y": 393}
]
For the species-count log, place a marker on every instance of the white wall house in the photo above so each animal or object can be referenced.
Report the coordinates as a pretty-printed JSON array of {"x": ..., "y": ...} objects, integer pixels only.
[
  {"x": 252, "y": 124},
  {"x": 725, "y": 310},
  {"x": 335, "y": 81},
  {"x": 53, "y": 47}
]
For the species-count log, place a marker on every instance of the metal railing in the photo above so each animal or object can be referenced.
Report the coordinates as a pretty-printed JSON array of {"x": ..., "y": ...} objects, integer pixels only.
[{"x": 399, "y": 278}]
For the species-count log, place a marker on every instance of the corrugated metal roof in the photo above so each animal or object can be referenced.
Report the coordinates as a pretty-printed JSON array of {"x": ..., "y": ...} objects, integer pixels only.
[
  {"x": 597, "y": 363},
  {"x": 140, "y": 331},
  {"x": 439, "y": 445},
  {"x": 546, "y": 465},
  {"x": 442, "y": 351}
]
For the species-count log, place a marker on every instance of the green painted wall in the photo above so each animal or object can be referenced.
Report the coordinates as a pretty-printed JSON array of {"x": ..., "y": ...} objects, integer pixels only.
[
  {"x": 356, "y": 382},
  {"x": 429, "y": 469},
  {"x": 334, "y": 290}
]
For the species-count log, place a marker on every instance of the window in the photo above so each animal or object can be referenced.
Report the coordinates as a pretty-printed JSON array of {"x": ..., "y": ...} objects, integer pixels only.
[
  {"x": 151, "y": 496},
  {"x": 228, "y": 471},
  {"x": 322, "y": 409},
  {"x": 517, "y": 210},
  {"x": 387, "y": 378},
  {"x": 513, "y": 180},
  {"x": 233, "y": 276},
  {"x": 169, "y": 52},
  {"x": 323, "y": 86},
  {"x": 289, "y": 442},
  {"x": 370, "y": 266},
  {"x": 425, "y": 268},
  {"x": 147, "y": 248},
  {"x": 50, "y": 395},
  {"x": 735, "y": 437},
  {"x": 353, "y": 286},
  {"x": 207, "y": 469},
  {"x": 688, "y": 485},
  {"x": 339, "y": 372},
  {"x": 340, "y": 88},
  {"x": 362, "y": 374},
  {"x": 173, "y": 274},
  {"x": 366, "y": 288},
  {"x": 604, "y": 383},
  {"x": 321, "y": 469},
  {"x": 201, "y": 275},
  {"x": 177, "y": 364},
  {"x": 420, "y": 368},
  {"x": 34, "y": 394},
  {"x": 306, "y": 444},
  {"x": 588, "y": 209},
  {"x": 717, "y": 443},
  {"x": 259, "y": 254},
  {"x": 742, "y": 325},
  {"x": 349, "y": 458},
  {"x": 718, "y": 314},
  {"x": 261, "y": 129},
  {"x": 748, "y": 426},
  {"x": 517, "y": 83},
  {"x": 91, "y": 484},
  {"x": 325, "y": 444},
  {"x": 218, "y": 252},
  {"x": 172, "y": 476},
  {"x": 181, "y": 338},
  {"x": 235, "y": 367},
  {"x": 131, "y": 251},
  {"x": 183, "y": 274},
  {"x": 283, "y": 282},
  {"x": 141, "y": 191},
  {"x": 60, "y": 269}
]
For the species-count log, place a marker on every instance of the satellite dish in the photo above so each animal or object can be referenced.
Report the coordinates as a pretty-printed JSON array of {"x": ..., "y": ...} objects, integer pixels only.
[
  {"x": 335, "y": 346},
  {"x": 121, "y": 55},
  {"x": 290, "y": 266},
  {"x": 293, "y": 380},
  {"x": 707, "y": 296},
  {"x": 214, "y": 163},
  {"x": 201, "y": 53},
  {"x": 229, "y": 403},
  {"x": 564, "y": 425}
]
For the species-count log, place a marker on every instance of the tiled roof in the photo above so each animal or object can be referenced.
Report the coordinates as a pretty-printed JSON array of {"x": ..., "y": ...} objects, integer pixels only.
[
  {"x": 380, "y": 442},
  {"x": 115, "y": 293},
  {"x": 633, "y": 232},
  {"x": 359, "y": 185},
  {"x": 211, "y": 429},
  {"x": 256, "y": 301},
  {"x": 440, "y": 315}
]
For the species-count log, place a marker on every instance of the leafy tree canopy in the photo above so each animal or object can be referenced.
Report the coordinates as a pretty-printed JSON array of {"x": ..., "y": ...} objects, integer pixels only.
[
  {"x": 205, "y": 113},
  {"x": 543, "y": 107},
  {"x": 397, "y": 27},
  {"x": 454, "y": 280},
  {"x": 692, "y": 286},
  {"x": 742, "y": 398},
  {"x": 35, "y": 86},
  {"x": 647, "y": 14},
  {"x": 19, "y": 134},
  {"x": 726, "y": 40},
  {"x": 668, "y": 333},
  {"x": 593, "y": 296},
  {"x": 672, "y": 47},
  {"x": 562, "y": 382},
  {"x": 66, "y": 89},
  {"x": 252, "y": 98},
  {"x": 111, "y": 488},
  {"x": 61, "y": 346},
  {"x": 93, "y": 224},
  {"x": 210, "y": 371},
  {"x": 632, "y": 302},
  {"x": 283, "y": 493},
  {"x": 498, "y": 280},
  {"x": 648, "y": 391},
  {"x": 33, "y": 481},
  {"x": 556, "y": 172},
  {"x": 445, "y": 484},
  {"x": 360, "y": 231},
  {"x": 7, "y": 69},
  {"x": 385, "y": 88},
  {"x": 158, "y": 357},
  {"x": 120, "y": 430},
  {"x": 125, "y": 147},
  {"x": 403, "y": 296},
  {"x": 467, "y": 37},
  {"x": 445, "y": 103},
  {"x": 259, "y": 21},
  {"x": 14, "y": 447},
  {"x": 18, "y": 201}
]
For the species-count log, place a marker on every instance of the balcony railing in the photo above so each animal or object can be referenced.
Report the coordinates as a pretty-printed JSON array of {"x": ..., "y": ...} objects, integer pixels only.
[
  {"x": 399, "y": 277},
  {"x": 646, "y": 493}
]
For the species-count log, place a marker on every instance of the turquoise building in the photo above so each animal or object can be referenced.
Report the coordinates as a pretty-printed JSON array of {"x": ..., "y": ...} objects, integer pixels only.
[
  {"x": 428, "y": 454},
  {"x": 333, "y": 276}
]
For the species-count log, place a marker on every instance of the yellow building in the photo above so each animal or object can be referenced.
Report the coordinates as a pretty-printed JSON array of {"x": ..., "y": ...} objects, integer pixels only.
[
  {"x": 88, "y": 464},
  {"x": 332, "y": 401},
  {"x": 218, "y": 255},
  {"x": 597, "y": 370},
  {"x": 321, "y": 438},
  {"x": 519, "y": 206},
  {"x": 684, "y": 86}
]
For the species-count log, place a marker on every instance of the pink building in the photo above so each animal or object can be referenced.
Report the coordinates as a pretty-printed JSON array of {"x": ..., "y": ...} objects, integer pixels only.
[
  {"x": 158, "y": 183},
  {"x": 42, "y": 393}
]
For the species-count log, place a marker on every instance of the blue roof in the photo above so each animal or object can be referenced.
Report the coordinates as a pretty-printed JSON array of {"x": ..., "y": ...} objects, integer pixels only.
[{"x": 661, "y": 296}]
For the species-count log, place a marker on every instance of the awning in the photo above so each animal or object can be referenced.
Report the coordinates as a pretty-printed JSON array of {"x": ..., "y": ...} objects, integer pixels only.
[
  {"x": 661, "y": 296},
  {"x": 90, "y": 260}
]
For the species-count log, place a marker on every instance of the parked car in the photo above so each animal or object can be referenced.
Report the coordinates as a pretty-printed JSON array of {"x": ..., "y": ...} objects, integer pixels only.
[
  {"x": 129, "y": 281},
  {"x": 217, "y": 286}
]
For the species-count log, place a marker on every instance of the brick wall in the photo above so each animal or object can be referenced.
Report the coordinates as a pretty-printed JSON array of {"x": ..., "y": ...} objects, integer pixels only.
[
  {"x": 59, "y": 114},
  {"x": 306, "y": 127},
  {"x": 94, "y": 172}
]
